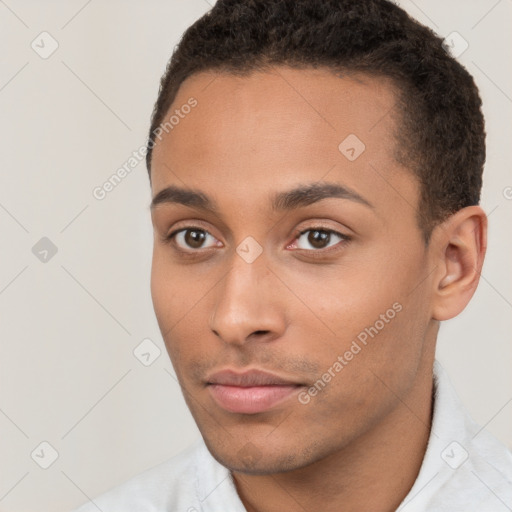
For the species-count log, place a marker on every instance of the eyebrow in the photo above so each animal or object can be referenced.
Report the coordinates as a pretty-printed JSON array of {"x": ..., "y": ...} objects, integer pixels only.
[{"x": 298, "y": 197}]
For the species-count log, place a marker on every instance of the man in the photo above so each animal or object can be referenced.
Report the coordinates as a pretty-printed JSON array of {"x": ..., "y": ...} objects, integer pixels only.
[{"x": 316, "y": 170}]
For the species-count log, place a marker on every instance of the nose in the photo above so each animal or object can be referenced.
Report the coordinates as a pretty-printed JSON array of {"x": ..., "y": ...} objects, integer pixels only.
[{"x": 247, "y": 307}]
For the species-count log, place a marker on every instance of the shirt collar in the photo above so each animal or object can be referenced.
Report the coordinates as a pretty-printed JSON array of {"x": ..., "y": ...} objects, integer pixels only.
[{"x": 451, "y": 430}]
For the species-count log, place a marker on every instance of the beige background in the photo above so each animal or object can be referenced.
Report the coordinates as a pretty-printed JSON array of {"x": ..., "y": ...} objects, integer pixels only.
[{"x": 68, "y": 327}]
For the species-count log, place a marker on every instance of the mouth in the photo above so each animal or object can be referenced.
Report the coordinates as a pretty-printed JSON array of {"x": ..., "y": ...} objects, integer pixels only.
[{"x": 250, "y": 392}]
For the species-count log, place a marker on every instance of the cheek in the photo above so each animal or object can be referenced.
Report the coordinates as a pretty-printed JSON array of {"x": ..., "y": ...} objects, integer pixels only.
[
  {"x": 175, "y": 290},
  {"x": 180, "y": 297},
  {"x": 377, "y": 317},
  {"x": 343, "y": 303},
  {"x": 169, "y": 298},
  {"x": 371, "y": 369},
  {"x": 163, "y": 291}
]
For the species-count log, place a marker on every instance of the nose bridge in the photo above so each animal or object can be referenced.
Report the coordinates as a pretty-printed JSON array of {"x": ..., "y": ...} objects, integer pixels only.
[{"x": 245, "y": 304}]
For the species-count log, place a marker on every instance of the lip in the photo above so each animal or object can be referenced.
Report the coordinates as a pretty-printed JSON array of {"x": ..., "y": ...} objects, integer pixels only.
[{"x": 250, "y": 392}]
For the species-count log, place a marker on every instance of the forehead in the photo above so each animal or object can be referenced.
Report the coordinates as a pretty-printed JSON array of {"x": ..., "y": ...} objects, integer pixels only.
[{"x": 269, "y": 130}]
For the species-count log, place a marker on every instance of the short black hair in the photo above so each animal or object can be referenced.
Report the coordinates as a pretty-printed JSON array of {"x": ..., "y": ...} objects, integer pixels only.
[{"x": 441, "y": 126}]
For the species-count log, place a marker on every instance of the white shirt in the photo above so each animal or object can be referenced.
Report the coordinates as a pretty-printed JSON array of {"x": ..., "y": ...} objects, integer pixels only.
[{"x": 464, "y": 469}]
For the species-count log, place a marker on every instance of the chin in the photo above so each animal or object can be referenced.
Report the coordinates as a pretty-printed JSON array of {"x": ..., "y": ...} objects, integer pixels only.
[
  {"x": 262, "y": 459},
  {"x": 249, "y": 460}
]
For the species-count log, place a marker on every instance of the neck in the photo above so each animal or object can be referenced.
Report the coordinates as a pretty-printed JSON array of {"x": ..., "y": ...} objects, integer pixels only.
[{"x": 374, "y": 473}]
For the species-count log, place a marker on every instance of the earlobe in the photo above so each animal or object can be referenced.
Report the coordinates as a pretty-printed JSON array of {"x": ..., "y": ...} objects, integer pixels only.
[{"x": 461, "y": 244}]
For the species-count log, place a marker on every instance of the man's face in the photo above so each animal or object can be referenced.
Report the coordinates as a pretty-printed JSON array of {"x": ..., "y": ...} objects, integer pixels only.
[{"x": 339, "y": 316}]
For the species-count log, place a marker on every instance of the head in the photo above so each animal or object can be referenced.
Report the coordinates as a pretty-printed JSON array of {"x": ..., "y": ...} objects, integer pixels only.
[{"x": 316, "y": 169}]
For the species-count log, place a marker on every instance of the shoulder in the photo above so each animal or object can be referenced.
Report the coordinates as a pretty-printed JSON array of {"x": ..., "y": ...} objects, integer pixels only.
[
  {"x": 477, "y": 476},
  {"x": 171, "y": 485},
  {"x": 488, "y": 469},
  {"x": 465, "y": 468}
]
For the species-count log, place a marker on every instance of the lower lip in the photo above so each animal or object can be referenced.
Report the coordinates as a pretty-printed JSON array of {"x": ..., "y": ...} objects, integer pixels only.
[{"x": 250, "y": 400}]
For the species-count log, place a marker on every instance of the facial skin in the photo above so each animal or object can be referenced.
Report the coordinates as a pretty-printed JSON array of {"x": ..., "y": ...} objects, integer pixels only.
[{"x": 300, "y": 304}]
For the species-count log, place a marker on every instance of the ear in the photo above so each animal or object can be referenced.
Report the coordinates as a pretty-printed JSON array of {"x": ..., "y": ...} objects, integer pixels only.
[{"x": 458, "y": 246}]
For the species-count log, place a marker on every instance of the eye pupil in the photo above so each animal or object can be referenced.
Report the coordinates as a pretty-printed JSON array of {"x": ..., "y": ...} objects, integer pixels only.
[
  {"x": 318, "y": 238},
  {"x": 194, "y": 238}
]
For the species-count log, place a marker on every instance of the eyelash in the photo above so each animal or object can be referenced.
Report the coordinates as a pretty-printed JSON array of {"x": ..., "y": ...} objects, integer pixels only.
[{"x": 169, "y": 239}]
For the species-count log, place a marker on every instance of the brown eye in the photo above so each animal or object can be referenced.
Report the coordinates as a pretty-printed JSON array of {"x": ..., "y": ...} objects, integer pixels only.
[
  {"x": 194, "y": 238},
  {"x": 318, "y": 239},
  {"x": 191, "y": 238}
]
